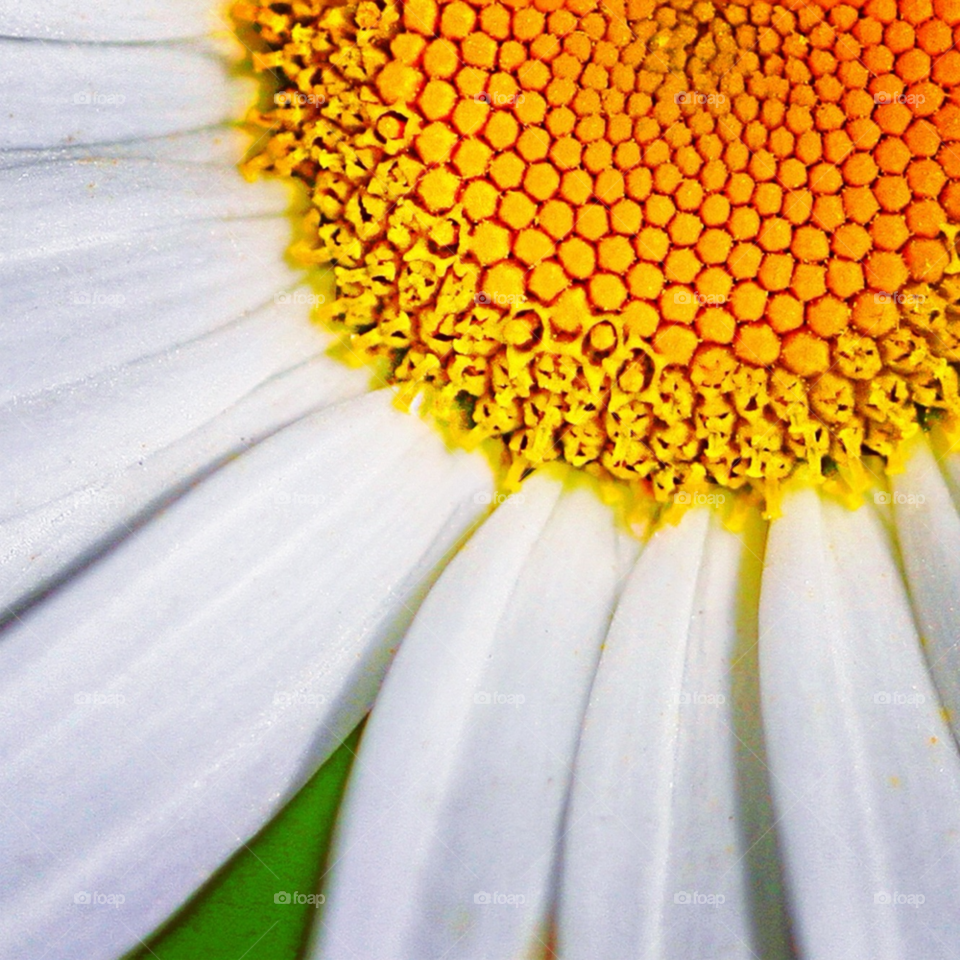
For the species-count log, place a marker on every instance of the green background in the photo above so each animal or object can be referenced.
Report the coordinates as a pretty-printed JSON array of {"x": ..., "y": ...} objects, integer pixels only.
[{"x": 234, "y": 916}]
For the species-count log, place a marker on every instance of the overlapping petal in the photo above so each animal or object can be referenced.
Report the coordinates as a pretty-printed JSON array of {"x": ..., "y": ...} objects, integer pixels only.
[
  {"x": 865, "y": 773},
  {"x": 160, "y": 707},
  {"x": 139, "y": 311},
  {"x": 661, "y": 844},
  {"x": 450, "y": 829},
  {"x": 108, "y": 262},
  {"x": 928, "y": 530},
  {"x": 79, "y": 94}
]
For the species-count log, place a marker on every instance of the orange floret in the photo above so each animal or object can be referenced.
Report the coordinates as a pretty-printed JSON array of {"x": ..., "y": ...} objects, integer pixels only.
[
  {"x": 607, "y": 291},
  {"x": 757, "y": 344},
  {"x": 806, "y": 354},
  {"x": 531, "y": 246},
  {"x": 828, "y": 316},
  {"x": 927, "y": 260},
  {"x": 578, "y": 258},
  {"x": 675, "y": 343},
  {"x": 548, "y": 279},
  {"x": 784, "y": 313},
  {"x": 885, "y": 271}
]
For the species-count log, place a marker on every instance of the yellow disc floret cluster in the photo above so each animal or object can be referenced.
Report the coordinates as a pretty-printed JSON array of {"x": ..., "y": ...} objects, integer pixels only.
[{"x": 677, "y": 242}]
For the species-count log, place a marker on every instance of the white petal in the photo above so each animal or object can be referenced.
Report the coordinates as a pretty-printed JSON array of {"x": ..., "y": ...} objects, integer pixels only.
[
  {"x": 865, "y": 774},
  {"x": 656, "y": 853},
  {"x": 928, "y": 529},
  {"x": 104, "y": 505},
  {"x": 71, "y": 436},
  {"x": 58, "y": 207},
  {"x": 105, "y": 263},
  {"x": 221, "y": 146},
  {"x": 447, "y": 843},
  {"x": 57, "y": 93},
  {"x": 107, "y": 20},
  {"x": 158, "y": 708},
  {"x": 121, "y": 340}
]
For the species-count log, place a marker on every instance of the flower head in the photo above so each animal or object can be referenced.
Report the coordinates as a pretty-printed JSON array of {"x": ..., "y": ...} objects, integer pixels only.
[{"x": 220, "y": 549}]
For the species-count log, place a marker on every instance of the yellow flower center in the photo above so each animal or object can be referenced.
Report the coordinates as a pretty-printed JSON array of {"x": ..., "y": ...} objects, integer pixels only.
[{"x": 675, "y": 242}]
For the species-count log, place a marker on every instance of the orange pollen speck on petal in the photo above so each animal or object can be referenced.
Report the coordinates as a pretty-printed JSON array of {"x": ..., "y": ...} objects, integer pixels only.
[{"x": 675, "y": 242}]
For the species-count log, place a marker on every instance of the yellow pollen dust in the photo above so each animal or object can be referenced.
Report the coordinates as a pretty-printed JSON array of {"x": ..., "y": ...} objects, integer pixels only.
[{"x": 674, "y": 242}]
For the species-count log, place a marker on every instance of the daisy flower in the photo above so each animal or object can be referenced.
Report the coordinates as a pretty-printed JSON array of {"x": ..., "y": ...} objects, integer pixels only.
[{"x": 652, "y": 601}]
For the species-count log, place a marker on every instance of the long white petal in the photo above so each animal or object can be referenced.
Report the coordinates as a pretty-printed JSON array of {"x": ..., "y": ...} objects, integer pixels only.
[
  {"x": 58, "y": 207},
  {"x": 47, "y": 543},
  {"x": 58, "y": 93},
  {"x": 105, "y": 263},
  {"x": 447, "y": 846},
  {"x": 221, "y": 146},
  {"x": 106, "y": 20},
  {"x": 658, "y": 842},
  {"x": 928, "y": 529},
  {"x": 68, "y": 437},
  {"x": 158, "y": 708},
  {"x": 125, "y": 341},
  {"x": 865, "y": 773}
]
